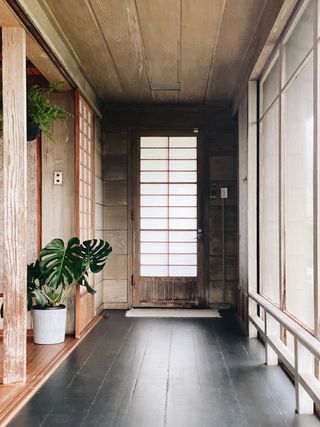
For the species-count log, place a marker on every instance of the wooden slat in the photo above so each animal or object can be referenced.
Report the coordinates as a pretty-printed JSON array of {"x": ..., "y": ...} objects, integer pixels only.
[
  {"x": 239, "y": 22},
  {"x": 160, "y": 29},
  {"x": 15, "y": 204},
  {"x": 118, "y": 22},
  {"x": 43, "y": 63},
  {"x": 7, "y": 18},
  {"x": 200, "y": 34}
]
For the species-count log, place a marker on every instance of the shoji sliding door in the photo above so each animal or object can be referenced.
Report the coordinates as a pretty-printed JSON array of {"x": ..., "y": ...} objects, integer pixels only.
[{"x": 168, "y": 221}]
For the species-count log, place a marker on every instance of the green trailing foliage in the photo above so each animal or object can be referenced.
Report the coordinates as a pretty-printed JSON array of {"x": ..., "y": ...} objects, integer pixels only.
[
  {"x": 60, "y": 269},
  {"x": 41, "y": 111}
]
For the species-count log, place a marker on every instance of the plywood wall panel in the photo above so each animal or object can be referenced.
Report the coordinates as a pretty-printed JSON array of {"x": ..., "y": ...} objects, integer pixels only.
[
  {"x": 115, "y": 193},
  {"x": 116, "y": 267},
  {"x": 58, "y": 215}
]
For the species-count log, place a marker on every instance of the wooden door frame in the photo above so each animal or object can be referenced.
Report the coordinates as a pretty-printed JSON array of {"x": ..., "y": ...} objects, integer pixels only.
[
  {"x": 81, "y": 296},
  {"x": 202, "y": 208}
]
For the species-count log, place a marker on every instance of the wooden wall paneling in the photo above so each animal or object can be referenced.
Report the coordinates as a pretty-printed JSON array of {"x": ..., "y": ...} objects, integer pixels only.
[
  {"x": 15, "y": 204},
  {"x": 221, "y": 138},
  {"x": 39, "y": 193},
  {"x": 58, "y": 213}
]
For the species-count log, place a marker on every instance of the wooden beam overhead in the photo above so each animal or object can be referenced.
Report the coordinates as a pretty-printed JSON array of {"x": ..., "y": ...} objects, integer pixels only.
[
  {"x": 7, "y": 18},
  {"x": 14, "y": 204}
]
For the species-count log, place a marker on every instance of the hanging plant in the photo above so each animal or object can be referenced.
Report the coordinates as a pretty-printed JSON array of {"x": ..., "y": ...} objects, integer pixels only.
[{"x": 41, "y": 114}]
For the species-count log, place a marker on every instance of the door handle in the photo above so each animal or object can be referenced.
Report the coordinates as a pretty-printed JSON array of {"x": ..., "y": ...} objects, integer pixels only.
[{"x": 200, "y": 234}]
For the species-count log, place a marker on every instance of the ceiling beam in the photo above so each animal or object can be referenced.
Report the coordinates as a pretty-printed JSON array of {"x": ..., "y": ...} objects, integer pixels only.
[{"x": 37, "y": 21}]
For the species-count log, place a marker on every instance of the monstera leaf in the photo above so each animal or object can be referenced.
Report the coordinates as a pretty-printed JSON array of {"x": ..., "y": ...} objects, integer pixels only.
[
  {"x": 60, "y": 265},
  {"x": 94, "y": 254},
  {"x": 33, "y": 284}
]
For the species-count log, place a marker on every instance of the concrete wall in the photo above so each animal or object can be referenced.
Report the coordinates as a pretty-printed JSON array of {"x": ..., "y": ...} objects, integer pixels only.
[{"x": 221, "y": 139}]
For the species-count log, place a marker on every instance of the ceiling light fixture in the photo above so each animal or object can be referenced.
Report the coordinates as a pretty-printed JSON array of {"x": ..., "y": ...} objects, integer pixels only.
[{"x": 157, "y": 87}]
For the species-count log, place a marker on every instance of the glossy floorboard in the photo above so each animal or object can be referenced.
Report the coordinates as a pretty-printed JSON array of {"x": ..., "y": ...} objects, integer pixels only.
[
  {"x": 132, "y": 372},
  {"x": 41, "y": 361}
]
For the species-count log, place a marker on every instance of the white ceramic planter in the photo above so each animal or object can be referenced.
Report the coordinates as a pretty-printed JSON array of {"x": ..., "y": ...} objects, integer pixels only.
[{"x": 49, "y": 325}]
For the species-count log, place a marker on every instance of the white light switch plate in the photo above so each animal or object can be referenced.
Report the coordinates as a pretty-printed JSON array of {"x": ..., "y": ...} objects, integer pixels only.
[
  {"x": 57, "y": 178},
  {"x": 224, "y": 193}
]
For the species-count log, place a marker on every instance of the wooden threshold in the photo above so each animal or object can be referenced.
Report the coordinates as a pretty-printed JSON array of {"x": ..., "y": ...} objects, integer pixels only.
[{"x": 42, "y": 361}]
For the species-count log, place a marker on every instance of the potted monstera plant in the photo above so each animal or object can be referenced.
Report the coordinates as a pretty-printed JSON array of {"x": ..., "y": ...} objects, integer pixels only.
[{"x": 53, "y": 277}]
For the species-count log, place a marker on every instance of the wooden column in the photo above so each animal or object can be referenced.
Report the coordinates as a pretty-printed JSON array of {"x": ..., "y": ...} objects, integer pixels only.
[{"x": 15, "y": 204}]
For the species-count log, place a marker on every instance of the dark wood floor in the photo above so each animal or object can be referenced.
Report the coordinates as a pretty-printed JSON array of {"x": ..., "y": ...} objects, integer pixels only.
[{"x": 165, "y": 372}]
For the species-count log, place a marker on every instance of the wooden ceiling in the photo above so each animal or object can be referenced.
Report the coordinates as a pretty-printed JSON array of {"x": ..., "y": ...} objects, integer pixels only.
[{"x": 125, "y": 46}]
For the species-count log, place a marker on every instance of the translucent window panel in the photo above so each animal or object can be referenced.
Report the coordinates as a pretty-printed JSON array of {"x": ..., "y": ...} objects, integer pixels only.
[
  {"x": 271, "y": 85},
  {"x": 154, "y": 189},
  {"x": 182, "y": 176},
  {"x": 183, "y": 189},
  {"x": 300, "y": 41},
  {"x": 154, "y": 165},
  {"x": 182, "y": 236},
  {"x": 184, "y": 259},
  {"x": 183, "y": 200},
  {"x": 185, "y": 165},
  {"x": 155, "y": 153},
  {"x": 183, "y": 212},
  {"x": 183, "y": 248},
  {"x": 153, "y": 141},
  {"x": 154, "y": 176},
  {"x": 154, "y": 236},
  {"x": 298, "y": 139},
  {"x": 154, "y": 259},
  {"x": 183, "y": 141},
  {"x": 168, "y": 203},
  {"x": 155, "y": 212},
  {"x": 183, "y": 153},
  {"x": 154, "y": 223},
  {"x": 182, "y": 271},
  {"x": 269, "y": 204},
  {"x": 152, "y": 248},
  {"x": 153, "y": 200},
  {"x": 154, "y": 270},
  {"x": 182, "y": 223}
]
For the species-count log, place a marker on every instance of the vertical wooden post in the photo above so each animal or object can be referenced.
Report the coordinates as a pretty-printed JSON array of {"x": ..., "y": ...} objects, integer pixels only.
[
  {"x": 15, "y": 204},
  {"x": 304, "y": 363},
  {"x": 272, "y": 328},
  {"x": 252, "y": 201}
]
